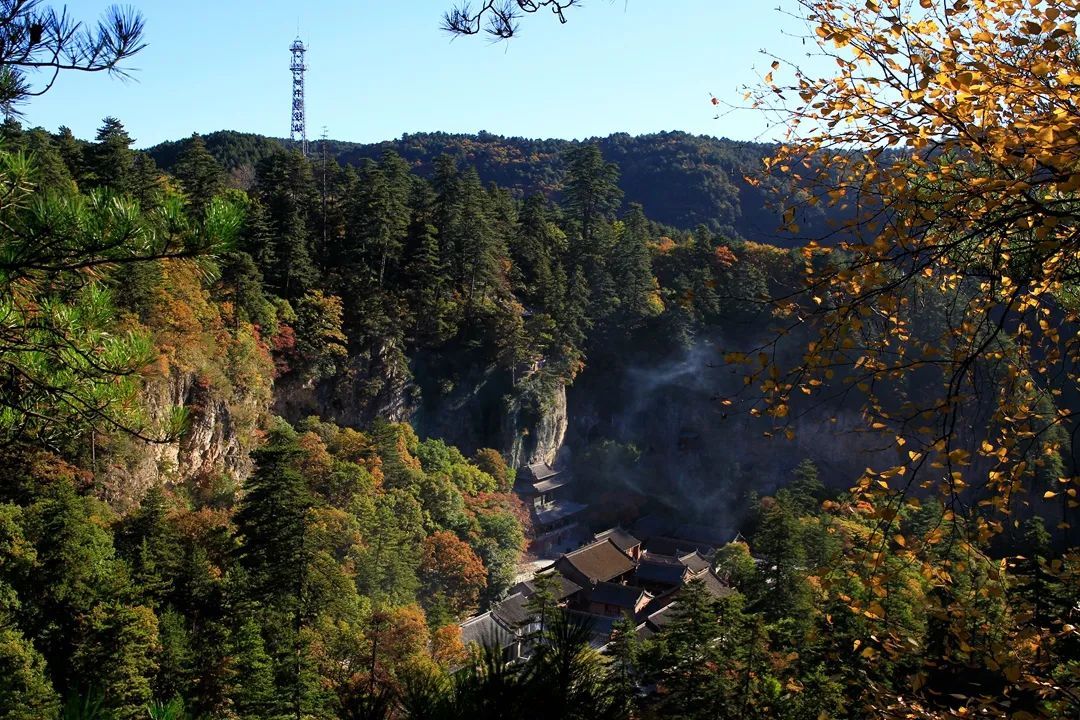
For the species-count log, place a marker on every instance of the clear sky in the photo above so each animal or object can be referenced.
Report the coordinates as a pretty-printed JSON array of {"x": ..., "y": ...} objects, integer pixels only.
[{"x": 380, "y": 68}]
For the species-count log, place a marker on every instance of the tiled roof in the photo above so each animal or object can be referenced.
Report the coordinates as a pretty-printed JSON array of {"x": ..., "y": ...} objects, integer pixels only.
[
  {"x": 486, "y": 630},
  {"x": 541, "y": 471},
  {"x": 548, "y": 485},
  {"x": 714, "y": 585},
  {"x": 512, "y": 610},
  {"x": 600, "y": 626},
  {"x": 598, "y": 562},
  {"x": 661, "y": 617},
  {"x": 622, "y": 539},
  {"x": 695, "y": 562},
  {"x": 622, "y": 596},
  {"x": 557, "y": 511},
  {"x": 661, "y": 570},
  {"x": 565, "y": 588},
  {"x": 674, "y": 547}
]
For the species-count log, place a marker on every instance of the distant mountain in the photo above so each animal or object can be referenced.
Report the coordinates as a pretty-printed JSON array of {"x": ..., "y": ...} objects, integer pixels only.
[{"x": 682, "y": 180}]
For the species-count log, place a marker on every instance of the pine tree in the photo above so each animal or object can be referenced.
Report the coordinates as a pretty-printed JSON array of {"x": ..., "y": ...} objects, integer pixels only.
[
  {"x": 477, "y": 247},
  {"x": 287, "y": 190},
  {"x": 72, "y": 153},
  {"x": 591, "y": 192},
  {"x": 257, "y": 237},
  {"x": 806, "y": 490},
  {"x": 253, "y": 695},
  {"x": 50, "y": 170},
  {"x": 116, "y": 656},
  {"x": 145, "y": 181},
  {"x": 784, "y": 593},
  {"x": 75, "y": 571},
  {"x": 273, "y": 524},
  {"x": 625, "y": 651},
  {"x": 537, "y": 250},
  {"x": 111, "y": 158},
  {"x": 631, "y": 270},
  {"x": 381, "y": 215},
  {"x": 199, "y": 174},
  {"x": 243, "y": 284},
  {"x": 428, "y": 288},
  {"x": 25, "y": 690},
  {"x": 700, "y": 656},
  {"x": 387, "y": 568},
  {"x": 567, "y": 677},
  {"x": 151, "y": 547},
  {"x": 176, "y": 657},
  {"x": 272, "y": 519}
]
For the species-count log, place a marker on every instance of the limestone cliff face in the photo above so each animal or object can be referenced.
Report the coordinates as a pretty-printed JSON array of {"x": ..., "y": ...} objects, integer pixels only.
[
  {"x": 369, "y": 387},
  {"x": 526, "y": 421},
  {"x": 216, "y": 443},
  {"x": 535, "y": 426},
  {"x": 693, "y": 455}
]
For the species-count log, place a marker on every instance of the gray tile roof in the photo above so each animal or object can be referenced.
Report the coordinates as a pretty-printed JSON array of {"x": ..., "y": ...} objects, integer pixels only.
[
  {"x": 548, "y": 485},
  {"x": 486, "y": 630},
  {"x": 541, "y": 471},
  {"x": 663, "y": 545},
  {"x": 622, "y": 596},
  {"x": 600, "y": 626},
  {"x": 661, "y": 617},
  {"x": 557, "y": 511},
  {"x": 714, "y": 585},
  {"x": 512, "y": 610},
  {"x": 565, "y": 589},
  {"x": 695, "y": 562},
  {"x": 596, "y": 562},
  {"x": 661, "y": 570},
  {"x": 622, "y": 539}
]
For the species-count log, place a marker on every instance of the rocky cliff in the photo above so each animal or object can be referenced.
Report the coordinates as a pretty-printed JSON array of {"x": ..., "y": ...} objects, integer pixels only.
[
  {"x": 213, "y": 448},
  {"x": 449, "y": 395},
  {"x": 535, "y": 424},
  {"x": 659, "y": 431},
  {"x": 372, "y": 385}
]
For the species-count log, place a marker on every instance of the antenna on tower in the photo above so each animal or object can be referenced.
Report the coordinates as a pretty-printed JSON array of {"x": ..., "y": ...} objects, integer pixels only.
[{"x": 298, "y": 131}]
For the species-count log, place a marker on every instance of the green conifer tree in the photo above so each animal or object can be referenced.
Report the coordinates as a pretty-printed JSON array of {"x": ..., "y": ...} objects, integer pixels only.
[
  {"x": 199, "y": 174},
  {"x": 111, "y": 158},
  {"x": 25, "y": 690},
  {"x": 253, "y": 694},
  {"x": 116, "y": 656}
]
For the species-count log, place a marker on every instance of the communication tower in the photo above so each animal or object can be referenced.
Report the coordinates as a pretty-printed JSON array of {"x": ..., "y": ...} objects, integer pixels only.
[{"x": 298, "y": 131}]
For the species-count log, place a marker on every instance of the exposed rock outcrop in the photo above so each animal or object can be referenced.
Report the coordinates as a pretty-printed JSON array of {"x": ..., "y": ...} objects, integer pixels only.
[
  {"x": 216, "y": 442},
  {"x": 535, "y": 426},
  {"x": 369, "y": 387},
  {"x": 690, "y": 453}
]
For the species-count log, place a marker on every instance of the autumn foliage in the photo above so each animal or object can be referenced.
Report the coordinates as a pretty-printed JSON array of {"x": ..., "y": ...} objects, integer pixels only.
[
  {"x": 950, "y": 137},
  {"x": 451, "y": 573}
]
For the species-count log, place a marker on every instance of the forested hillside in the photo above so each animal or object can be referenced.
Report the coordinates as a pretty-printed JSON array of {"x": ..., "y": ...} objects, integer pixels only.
[
  {"x": 263, "y": 413},
  {"x": 248, "y": 565},
  {"x": 681, "y": 180},
  {"x": 237, "y": 561}
]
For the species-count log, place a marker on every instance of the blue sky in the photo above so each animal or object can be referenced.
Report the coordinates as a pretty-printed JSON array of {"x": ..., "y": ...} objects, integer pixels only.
[{"x": 382, "y": 68}]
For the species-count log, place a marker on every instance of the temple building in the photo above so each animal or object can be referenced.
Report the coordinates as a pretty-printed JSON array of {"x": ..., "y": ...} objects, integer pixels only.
[{"x": 555, "y": 516}]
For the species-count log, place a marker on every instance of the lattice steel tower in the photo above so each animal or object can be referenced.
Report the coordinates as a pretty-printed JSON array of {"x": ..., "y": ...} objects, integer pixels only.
[{"x": 299, "y": 123}]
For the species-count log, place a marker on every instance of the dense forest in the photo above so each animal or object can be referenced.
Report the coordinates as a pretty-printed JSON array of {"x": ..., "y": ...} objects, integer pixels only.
[
  {"x": 680, "y": 180},
  {"x": 262, "y": 413},
  {"x": 246, "y": 592}
]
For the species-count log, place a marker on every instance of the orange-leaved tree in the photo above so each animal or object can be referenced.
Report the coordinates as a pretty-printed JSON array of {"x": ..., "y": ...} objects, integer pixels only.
[{"x": 949, "y": 300}]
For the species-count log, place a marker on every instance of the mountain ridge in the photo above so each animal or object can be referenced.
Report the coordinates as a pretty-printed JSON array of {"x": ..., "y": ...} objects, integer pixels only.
[{"x": 682, "y": 180}]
